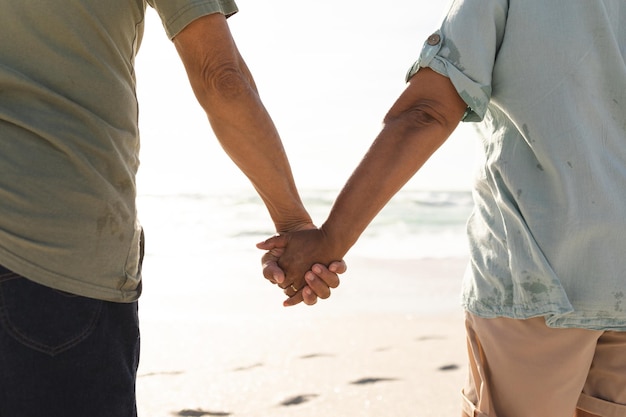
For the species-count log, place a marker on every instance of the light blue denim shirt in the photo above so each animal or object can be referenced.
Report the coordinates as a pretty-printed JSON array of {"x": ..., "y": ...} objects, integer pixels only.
[{"x": 547, "y": 82}]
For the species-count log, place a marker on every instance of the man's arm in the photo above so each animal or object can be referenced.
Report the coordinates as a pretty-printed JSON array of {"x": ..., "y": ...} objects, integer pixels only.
[
  {"x": 225, "y": 89},
  {"x": 418, "y": 123}
]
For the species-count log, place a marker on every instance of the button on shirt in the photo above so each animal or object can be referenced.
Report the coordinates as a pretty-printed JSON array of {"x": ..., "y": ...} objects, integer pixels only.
[{"x": 547, "y": 82}]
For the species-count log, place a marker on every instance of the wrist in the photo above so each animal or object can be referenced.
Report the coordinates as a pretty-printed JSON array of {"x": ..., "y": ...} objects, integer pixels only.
[
  {"x": 294, "y": 224},
  {"x": 336, "y": 241}
]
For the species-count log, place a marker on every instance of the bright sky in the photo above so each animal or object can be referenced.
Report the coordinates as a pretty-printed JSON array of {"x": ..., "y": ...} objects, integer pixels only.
[{"x": 327, "y": 71}]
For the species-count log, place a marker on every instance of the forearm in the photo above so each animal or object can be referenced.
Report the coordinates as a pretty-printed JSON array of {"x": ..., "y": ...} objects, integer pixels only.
[
  {"x": 391, "y": 161},
  {"x": 418, "y": 123},
  {"x": 248, "y": 135},
  {"x": 225, "y": 89}
]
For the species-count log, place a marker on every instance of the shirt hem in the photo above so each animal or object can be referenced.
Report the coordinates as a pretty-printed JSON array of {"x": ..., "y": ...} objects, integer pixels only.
[{"x": 67, "y": 284}]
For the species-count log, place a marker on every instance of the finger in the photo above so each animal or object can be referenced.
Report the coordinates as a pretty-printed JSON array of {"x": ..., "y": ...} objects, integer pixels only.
[
  {"x": 277, "y": 241},
  {"x": 291, "y": 289},
  {"x": 308, "y": 296},
  {"x": 329, "y": 278},
  {"x": 338, "y": 267},
  {"x": 317, "y": 286},
  {"x": 271, "y": 270},
  {"x": 293, "y": 300},
  {"x": 273, "y": 273}
]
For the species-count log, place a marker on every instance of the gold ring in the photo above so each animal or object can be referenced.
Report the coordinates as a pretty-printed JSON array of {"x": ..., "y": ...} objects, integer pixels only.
[{"x": 293, "y": 288}]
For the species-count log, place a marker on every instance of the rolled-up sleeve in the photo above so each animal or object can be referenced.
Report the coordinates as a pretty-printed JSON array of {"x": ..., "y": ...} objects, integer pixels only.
[{"x": 464, "y": 49}]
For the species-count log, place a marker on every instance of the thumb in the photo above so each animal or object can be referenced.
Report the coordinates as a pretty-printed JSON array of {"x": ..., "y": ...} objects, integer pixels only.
[
  {"x": 276, "y": 241},
  {"x": 338, "y": 267}
]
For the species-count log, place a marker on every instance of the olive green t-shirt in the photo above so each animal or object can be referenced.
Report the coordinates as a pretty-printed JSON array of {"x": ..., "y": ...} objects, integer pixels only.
[{"x": 69, "y": 140}]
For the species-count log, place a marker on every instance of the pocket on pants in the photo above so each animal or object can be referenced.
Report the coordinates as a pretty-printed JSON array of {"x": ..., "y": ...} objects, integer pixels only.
[{"x": 44, "y": 319}]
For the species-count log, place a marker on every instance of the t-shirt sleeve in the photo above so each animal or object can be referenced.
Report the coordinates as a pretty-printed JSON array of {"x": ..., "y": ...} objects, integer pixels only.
[
  {"x": 464, "y": 49},
  {"x": 176, "y": 14}
]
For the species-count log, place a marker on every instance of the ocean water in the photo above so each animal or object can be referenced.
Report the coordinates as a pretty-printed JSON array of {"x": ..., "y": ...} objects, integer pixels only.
[
  {"x": 201, "y": 255},
  {"x": 414, "y": 225}
]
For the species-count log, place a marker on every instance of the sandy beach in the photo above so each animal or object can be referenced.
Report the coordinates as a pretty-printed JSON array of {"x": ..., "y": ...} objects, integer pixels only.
[{"x": 389, "y": 342}]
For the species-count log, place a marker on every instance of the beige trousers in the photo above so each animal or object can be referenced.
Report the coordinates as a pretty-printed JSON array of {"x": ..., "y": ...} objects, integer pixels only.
[{"x": 523, "y": 368}]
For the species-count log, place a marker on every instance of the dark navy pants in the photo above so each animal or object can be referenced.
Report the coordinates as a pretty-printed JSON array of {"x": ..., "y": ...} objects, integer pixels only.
[{"x": 63, "y": 355}]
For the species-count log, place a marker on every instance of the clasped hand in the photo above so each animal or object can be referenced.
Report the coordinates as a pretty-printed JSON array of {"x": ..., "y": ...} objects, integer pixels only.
[{"x": 301, "y": 264}]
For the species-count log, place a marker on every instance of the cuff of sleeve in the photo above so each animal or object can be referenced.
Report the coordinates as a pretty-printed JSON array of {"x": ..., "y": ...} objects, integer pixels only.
[
  {"x": 195, "y": 10},
  {"x": 475, "y": 95}
]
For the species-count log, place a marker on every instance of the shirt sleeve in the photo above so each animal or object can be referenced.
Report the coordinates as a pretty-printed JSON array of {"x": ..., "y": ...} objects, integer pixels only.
[
  {"x": 177, "y": 14},
  {"x": 464, "y": 49}
]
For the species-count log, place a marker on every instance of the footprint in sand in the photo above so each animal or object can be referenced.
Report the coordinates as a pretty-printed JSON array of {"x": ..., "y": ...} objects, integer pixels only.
[
  {"x": 383, "y": 349},
  {"x": 317, "y": 355},
  {"x": 451, "y": 367},
  {"x": 365, "y": 381},
  {"x": 298, "y": 399},
  {"x": 247, "y": 368},
  {"x": 431, "y": 337},
  {"x": 200, "y": 413}
]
